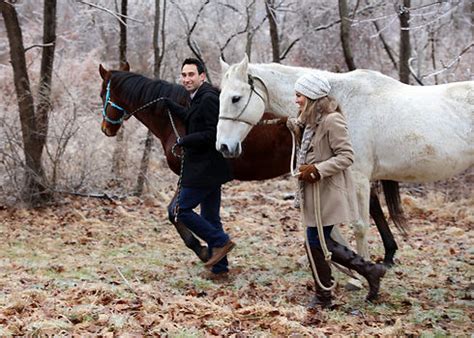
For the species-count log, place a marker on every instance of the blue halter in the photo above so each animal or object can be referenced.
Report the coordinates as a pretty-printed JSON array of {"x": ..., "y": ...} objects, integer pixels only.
[{"x": 125, "y": 114}]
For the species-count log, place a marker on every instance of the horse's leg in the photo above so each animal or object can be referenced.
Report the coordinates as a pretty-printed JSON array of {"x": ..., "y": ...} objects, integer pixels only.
[
  {"x": 188, "y": 237},
  {"x": 362, "y": 188},
  {"x": 361, "y": 226},
  {"x": 382, "y": 225}
]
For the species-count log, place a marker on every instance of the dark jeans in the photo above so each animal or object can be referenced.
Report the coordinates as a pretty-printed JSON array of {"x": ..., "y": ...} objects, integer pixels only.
[
  {"x": 313, "y": 237},
  {"x": 206, "y": 226}
]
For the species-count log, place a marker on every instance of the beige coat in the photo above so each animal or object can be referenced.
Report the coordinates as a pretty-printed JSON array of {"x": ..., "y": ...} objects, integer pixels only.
[{"x": 331, "y": 152}]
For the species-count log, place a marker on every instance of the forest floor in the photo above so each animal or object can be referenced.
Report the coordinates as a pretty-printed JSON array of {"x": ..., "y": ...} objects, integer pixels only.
[{"x": 117, "y": 267}]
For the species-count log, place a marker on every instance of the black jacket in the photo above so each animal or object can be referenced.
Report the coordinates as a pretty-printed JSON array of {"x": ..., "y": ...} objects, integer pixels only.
[{"x": 204, "y": 166}]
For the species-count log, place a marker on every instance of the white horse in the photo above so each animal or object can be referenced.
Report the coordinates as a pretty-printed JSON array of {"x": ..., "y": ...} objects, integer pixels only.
[{"x": 399, "y": 132}]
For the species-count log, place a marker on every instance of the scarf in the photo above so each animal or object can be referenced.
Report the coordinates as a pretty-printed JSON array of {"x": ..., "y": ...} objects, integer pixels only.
[{"x": 301, "y": 158}]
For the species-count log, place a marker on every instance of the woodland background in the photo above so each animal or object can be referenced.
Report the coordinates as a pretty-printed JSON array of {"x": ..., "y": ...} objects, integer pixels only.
[
  {"x": 114, "y": 264},
  {"x": 67, "y": 149}
]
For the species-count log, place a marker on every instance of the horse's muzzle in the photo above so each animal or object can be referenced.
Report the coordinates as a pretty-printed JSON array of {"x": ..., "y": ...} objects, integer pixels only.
[
  {"x": 230, "y": 151},
  {"x": 106, "y": 130}
]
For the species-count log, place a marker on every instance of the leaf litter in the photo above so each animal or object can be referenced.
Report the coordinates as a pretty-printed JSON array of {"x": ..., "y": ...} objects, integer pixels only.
[{"x": 89, "y": 266}]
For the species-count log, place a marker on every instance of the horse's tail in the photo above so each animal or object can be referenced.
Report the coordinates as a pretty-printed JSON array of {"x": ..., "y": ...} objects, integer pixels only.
[{"x": 392, "y": 199}]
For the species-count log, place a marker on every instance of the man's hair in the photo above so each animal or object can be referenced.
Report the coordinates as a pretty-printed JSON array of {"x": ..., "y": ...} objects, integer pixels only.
[{"x": 193, "y": 61}]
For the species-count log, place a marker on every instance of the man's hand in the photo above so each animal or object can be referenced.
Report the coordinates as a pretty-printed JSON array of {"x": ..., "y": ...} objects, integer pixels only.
[{"x": 309, "y": 173}]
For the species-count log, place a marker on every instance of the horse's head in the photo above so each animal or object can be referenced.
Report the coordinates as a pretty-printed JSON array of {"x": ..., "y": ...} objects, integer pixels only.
[
  {"x": 241, "y": 107},
  {"x": 113, "y": 111}
]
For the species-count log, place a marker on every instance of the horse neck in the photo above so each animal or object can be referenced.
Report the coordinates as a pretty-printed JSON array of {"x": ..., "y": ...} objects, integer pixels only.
[
  {"x": 280, "y": 81},
  {"x": 159, "y": 124}
]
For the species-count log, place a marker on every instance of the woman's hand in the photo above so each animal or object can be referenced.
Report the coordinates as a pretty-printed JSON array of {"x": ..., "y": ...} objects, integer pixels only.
[{"x": 309, "y": 173}]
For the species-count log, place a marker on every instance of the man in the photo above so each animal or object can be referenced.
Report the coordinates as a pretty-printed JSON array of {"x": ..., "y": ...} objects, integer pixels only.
[{"x": 205, "y": 170}]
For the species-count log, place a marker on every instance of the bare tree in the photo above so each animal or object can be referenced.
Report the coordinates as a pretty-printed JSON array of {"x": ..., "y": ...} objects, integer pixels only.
[
  {"x": 385, "y": 45},
  {"x": 118, "y": 156},
  {"x": 346, "y": 34},
  {"x": 405, "y": 48},
  {"x": 274, "y": 38},
  {"x": 46, "y": 72},
  {"x": 190, "y": 27},
  {"x": 159, "y": 39},
  {"x": 250, "y": 30},
  {"x": 272, "y": 8},
  {"x": 34, "y": 124}
]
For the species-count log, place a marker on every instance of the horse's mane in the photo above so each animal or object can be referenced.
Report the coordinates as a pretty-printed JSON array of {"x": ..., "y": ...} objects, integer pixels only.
[{"x": 135, "y": 87}]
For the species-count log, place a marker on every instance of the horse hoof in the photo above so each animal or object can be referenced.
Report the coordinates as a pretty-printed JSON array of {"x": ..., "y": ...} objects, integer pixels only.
[
  {"x": 353, "y": 285},
  {"x": 389, "y": 263}
]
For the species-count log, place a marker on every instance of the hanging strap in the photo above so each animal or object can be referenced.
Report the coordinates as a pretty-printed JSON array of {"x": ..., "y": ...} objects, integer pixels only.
[{"x": 181, "y": 157}]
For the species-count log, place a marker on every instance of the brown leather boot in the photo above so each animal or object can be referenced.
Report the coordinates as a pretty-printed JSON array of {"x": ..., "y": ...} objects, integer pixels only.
[
  {"x": 219, "y": 253},
  {"x": 322, "y": 297},
  {"x": 348, "y": 258}
]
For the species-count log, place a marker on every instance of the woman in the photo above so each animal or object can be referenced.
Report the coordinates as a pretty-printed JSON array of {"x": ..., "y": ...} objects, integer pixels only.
[{"x": 327, "y": 196}]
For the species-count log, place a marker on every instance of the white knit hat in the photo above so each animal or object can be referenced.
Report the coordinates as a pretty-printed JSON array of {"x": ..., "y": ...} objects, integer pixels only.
[{"x": 313, "y": 85}]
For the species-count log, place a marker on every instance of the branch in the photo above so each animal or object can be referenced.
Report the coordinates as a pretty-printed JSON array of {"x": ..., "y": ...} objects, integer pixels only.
[
  {"x": 451, "y": 63},
  {"x": 329, "y": 25},
  {"x": 244, "y": 30},
  {"x": 118, "y": 16},
  {"x": 412, "y": 71},
  {"x": 385, "y": 45},
  {"x": 197, "y": 17},
  {"x": 432, "y": 21},
  {"x": 229, "y": 6},
  {"x": 287, "y": 50},
  {"x": 40, "y": 45}
]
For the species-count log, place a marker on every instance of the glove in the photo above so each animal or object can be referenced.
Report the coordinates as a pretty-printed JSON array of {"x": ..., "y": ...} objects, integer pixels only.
[{"x": 309, "y": 173}]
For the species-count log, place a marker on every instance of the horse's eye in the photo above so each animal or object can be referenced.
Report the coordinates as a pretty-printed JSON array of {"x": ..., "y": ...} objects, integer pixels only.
[{"x": 235, "y": 99}]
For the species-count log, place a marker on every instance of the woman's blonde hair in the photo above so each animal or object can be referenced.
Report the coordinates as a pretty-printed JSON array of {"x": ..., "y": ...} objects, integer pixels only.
[{"x": 313, "y": 108}]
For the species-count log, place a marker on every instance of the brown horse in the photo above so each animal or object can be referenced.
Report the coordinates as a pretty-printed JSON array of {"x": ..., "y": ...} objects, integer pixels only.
[{"x": 266, "y": 150}]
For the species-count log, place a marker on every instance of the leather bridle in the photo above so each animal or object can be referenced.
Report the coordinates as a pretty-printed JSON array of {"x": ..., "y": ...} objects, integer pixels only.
[{"x": 238, "y": 118}]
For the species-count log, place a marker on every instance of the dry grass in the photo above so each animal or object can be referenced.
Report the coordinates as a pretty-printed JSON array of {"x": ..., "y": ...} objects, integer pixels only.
[{"x": 91, "y": 266}]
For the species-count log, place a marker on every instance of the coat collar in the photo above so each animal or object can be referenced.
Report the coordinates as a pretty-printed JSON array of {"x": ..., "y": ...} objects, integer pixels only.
[{"x": 204, "y": 88}]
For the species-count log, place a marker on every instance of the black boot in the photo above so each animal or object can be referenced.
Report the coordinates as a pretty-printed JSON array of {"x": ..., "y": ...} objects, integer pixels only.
[
  {"x": 192, "y": 242},
  {"x": 322, "y": 297},
  {"x": 348, "y": 258}
]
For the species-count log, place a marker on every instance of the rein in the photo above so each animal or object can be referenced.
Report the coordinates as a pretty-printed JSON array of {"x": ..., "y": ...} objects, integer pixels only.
[
  {"x": 125, "y": 115},
  {"x": 251, "y": 80}
]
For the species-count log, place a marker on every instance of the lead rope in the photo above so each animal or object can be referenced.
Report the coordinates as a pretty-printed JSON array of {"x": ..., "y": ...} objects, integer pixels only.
[
  {"x": 181, "y": 157},
  {"x": 322, "y": 239},
  {"x": 317, "y": 216}
]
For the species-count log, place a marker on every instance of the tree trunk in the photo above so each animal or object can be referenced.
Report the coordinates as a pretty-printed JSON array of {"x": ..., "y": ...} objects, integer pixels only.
[
  {"x": 34, "y": 189},
  {"x": 123, "y": 34},
  {"x": 250, "y": 33},
  {"x": 271, "y": 13},
  {"x": 405, "y": 49},
  {"x": 118, "y": 156},
  {"x": 432, "y": 39},
  {"x": 346, "y": 34},
  {"x": 46, "y": 73},
  {"x": 158, "y": 52},
  {"x": 142, "y": 174}
]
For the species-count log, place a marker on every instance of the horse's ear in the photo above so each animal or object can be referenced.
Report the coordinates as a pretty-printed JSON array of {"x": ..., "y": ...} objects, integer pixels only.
[
  {"x": 245, "y": 62},
  {"x": 125, "y": 66},
  {"x": 243, "y": 66},
  {"x": 224, "y": 66},
  {"x": 103, "y": 72}
]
